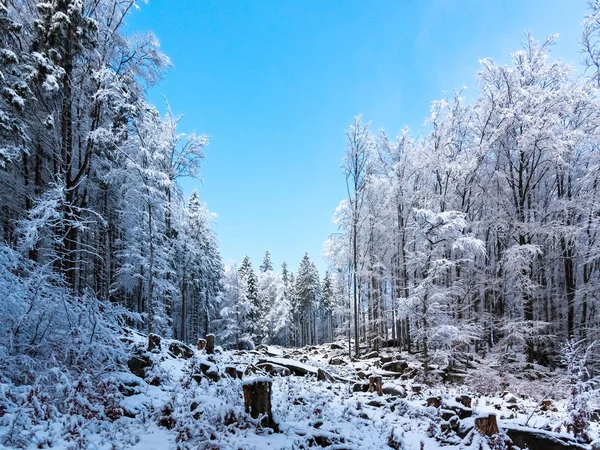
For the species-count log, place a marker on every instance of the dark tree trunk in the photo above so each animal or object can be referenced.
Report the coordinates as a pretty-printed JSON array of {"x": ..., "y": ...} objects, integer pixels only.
[
  {"x": 210, "y": 344},
  {"x": 257, "y": 401}
]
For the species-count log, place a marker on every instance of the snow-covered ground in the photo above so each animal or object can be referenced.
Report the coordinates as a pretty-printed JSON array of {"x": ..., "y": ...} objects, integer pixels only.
[{"x": 194, "y": 404}]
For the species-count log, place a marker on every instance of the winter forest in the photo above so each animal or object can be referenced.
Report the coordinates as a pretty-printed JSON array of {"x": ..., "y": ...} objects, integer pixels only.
[{"x": 460, "y": 307}]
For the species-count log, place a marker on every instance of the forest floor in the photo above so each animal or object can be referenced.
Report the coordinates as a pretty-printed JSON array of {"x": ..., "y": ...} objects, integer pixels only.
[{"x": 195, "y": 401}]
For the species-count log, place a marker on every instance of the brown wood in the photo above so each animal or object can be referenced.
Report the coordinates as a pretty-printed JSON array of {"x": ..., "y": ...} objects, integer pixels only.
[
  {"x": 547, "y": 406},
  {"x": 257, "y": 401},
  {"x": 464, "y": 400},
  {"x": 436, "y": 402},
  {"x": 375, "y": 384},
  {"x": 487, "y": 425},
  {"x": 210, "y": 344},
  {"x": 201, "y": 344}
]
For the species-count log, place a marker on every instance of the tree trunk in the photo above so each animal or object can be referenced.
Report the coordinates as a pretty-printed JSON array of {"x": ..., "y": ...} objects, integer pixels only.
[
  {"x": 210, "y": 344},
  {"x": 487, "y": 425},
  {"x": 375, "y": 384},
  {"x": 257, "y": 401}
]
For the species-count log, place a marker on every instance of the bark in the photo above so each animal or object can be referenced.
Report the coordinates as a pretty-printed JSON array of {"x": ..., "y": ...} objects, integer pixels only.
[
  {"x": 210, "y": 344},
  {"x": 375, "y": 384},
  {"x": 257, "y": 401},
  {"x": 487, "y": 425}
]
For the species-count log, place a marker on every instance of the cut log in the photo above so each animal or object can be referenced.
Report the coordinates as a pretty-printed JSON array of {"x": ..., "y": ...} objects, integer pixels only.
[
  {"x": 297, "y": 368},
  {"x": 274, "y": 369},
  {"x": 487, "y": 425},
  {"x": 375, "y": 384},
  {"x": 179, "y": 349},
  {"x": 547, "y": 406},
  {"x": 153, "y": 342},
  {"x": 360, "y": 387},
  {"x": 201, "y": 344},
  {"x": 395, "y": 366},
  {"x": 210, "y": 370},
  {"x": 337, "y": 362},
  {"x": 234, "y": 372},
  {"x": 257, "y": 401},
  {"x": 210, "y": 344},
  {"x": 323, "y": 375},
  {"x": 536, "y": 439},
  {"x": 464, "y": 400},
  {"x": 436, "y": 402}
]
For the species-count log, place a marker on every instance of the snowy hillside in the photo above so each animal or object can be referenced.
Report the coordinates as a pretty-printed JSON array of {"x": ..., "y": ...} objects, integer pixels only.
[{"x": 195, "y": 400}]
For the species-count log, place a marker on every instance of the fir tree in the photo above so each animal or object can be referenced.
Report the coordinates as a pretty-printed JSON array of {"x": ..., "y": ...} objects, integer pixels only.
[
  {"x": 251, "y": 290},
  {"x": 285, "y": 275},
  {"x": 266, "y": 263}
]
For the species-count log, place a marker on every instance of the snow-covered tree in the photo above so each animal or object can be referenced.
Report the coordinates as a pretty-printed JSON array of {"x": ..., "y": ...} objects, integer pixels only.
[{"x": 266, "y": 262}]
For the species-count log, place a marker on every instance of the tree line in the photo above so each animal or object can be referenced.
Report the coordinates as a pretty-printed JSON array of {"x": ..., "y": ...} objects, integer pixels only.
[
  {"x": 273, "y": 307},
  {"x": 481, "y": 234},
  {"x": 90, "y": 170}
]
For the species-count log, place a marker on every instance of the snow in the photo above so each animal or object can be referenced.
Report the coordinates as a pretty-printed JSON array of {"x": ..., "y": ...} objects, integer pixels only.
[
  {"x": 250, "y": 381},
  {"x": 308, "y": 412},
  {"x": 291, "y": 363},
  {"x": 155, "y": 439}
]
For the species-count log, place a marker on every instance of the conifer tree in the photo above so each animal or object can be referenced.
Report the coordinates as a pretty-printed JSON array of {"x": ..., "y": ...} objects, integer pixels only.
[
  {"x": 251, "y": 289},
  {"x": 266, "y": 263}
]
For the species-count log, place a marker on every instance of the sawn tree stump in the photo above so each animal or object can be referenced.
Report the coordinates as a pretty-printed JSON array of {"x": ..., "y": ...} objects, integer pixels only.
[
  {"x": 487, "y": 425},
  {"x": 201, "y": 344},
  {"x": 210, "y": 344},
  {"x": 257, "y": 401},
  {"x": 436, "y": 402},
  {"x": 375, "y": 384},
  {"x": 153, "y": 342}
]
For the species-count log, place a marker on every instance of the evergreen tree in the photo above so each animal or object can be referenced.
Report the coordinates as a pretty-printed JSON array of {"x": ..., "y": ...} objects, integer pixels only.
[
  {"x": 285, "y": 275},
  {"x": 307, "y": 290},
  {"x": 251, "y": 290},
  {"x": 266, "y": 263}
]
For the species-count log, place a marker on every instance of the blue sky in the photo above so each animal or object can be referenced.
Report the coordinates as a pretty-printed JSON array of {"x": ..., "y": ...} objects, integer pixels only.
[{"x": 276, "y": 83}]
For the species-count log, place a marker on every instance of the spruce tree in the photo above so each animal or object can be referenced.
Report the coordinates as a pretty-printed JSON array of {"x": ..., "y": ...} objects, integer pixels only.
[
  {"x": 307, "y": 294},
  {"x": 266, "y": 263},
  {"x": 285, "y": 274},
  {"x": 251, "y": 289}
]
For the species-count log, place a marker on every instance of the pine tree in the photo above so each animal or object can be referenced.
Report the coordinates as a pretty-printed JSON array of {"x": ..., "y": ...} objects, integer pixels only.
[
  {"x": 251, "y": 289},
  {"x": 285, "y": 275},
  {"x": 266, "y": 263},
  {"x": 307, "y": 290}
]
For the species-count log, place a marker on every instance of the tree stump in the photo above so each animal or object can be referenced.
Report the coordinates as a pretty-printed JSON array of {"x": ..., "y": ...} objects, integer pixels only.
[
  {"x": 436, "y": 402},
  {"x": 546, "y": 406},
  {"x": 153, "y": 342},
  {"x": 210, "y": 344},
  {"x": 375, "y": 384},
  {"x": 201, "y": 344},
  {"x": 464, "y": 400},
  {"x": 487, "y": 425},
  {"x": 257, "y": 401}
]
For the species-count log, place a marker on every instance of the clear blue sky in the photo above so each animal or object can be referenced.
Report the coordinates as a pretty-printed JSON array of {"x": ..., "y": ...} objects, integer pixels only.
[{"x": 276, "y": 83}]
